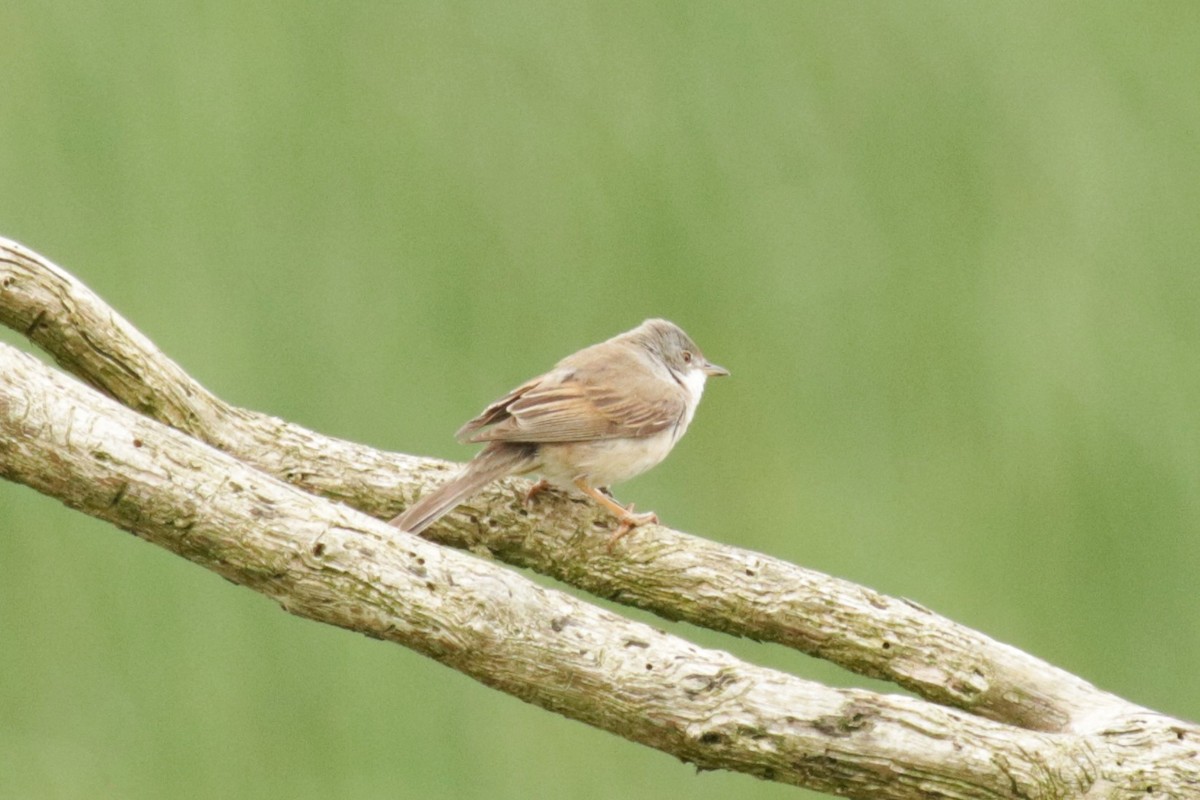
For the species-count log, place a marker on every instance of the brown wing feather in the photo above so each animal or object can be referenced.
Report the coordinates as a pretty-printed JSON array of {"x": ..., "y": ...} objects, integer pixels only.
[
  {"x": 574, "y": 405},
  {"x": 496, "y": 413}
]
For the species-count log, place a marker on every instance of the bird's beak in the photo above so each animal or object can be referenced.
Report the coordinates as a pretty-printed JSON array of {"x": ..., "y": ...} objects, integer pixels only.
[{"x": 709, "y": 368}]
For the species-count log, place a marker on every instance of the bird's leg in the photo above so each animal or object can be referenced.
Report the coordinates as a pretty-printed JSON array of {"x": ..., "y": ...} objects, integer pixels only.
[
  {"x": 535, "y": 490},
  {"x": 627, "y": 518}
]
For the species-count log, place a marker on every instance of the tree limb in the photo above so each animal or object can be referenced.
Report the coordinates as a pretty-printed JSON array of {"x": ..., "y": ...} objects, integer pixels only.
[
  {"x": 330, "y": 563},
  {"x": 677, "y": 576}
]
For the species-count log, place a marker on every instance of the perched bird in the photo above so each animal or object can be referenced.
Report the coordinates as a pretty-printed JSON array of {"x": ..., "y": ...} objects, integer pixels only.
[{"x": 601, "y": 416}]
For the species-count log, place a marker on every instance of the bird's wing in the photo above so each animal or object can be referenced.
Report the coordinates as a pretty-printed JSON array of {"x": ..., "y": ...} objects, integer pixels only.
[{"x": 569, "y": 405}]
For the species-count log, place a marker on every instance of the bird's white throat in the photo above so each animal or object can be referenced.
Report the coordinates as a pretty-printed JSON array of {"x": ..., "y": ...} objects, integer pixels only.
[{"x": 693, "y": 381}]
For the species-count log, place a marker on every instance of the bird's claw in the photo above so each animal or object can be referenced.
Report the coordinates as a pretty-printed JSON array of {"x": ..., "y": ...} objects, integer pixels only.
[
  {"x": 535, "y": 490},
  {"x": 629, "y": 521}
]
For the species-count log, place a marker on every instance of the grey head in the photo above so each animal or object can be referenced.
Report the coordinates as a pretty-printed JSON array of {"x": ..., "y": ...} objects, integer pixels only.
[{"x": 667, "y": 341}]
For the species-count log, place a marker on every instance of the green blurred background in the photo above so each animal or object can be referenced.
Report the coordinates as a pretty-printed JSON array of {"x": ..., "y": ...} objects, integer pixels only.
[{"x": 948, "y": 251}]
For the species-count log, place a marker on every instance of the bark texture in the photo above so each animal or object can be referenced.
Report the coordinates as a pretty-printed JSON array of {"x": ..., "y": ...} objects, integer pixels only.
[{"x": 241, "y": 493}]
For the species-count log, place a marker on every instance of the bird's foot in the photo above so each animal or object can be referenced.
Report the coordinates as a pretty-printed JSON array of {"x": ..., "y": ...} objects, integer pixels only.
[
  {"x": 624, "y": 515},
  {"x": 535, "y": 490},
  {"x": 629, "y": 521}
]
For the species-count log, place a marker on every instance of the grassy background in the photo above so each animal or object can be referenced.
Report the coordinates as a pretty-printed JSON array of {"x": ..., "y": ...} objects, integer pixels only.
[{"x": 948, "y": 251}]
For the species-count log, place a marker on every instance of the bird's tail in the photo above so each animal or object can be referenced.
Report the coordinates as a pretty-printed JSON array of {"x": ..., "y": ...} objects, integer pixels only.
[{"x": 497, "y": 460}]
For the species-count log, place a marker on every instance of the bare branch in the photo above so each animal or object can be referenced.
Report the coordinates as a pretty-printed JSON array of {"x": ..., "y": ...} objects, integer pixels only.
[
  {"x": 1051, "y": 734},
  {"x": 333, "y": 564},
  {"x": 677, "y": 576}
]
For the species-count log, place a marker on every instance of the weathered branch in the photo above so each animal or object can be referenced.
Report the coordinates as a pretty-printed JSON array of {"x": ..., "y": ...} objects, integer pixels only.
[
  {"x": 677, "y": 576},
  {"x": 1063, "y": 737},
  {"x": 330, "y": 563}
]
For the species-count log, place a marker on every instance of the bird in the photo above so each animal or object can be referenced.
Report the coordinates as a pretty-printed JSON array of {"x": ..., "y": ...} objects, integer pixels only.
[{"x": 601, "y": 416}]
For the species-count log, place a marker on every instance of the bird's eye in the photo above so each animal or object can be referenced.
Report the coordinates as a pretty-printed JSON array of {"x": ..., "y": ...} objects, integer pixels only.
[{"x": 687, "y": 356}]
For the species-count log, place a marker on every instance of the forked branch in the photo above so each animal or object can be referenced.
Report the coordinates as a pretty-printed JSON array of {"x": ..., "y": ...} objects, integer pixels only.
[{"x": 1033, "y": 730}]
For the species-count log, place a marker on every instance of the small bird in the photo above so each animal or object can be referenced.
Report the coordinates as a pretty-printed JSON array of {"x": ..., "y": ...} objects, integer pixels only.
[{"x": 601, "y": 416}]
